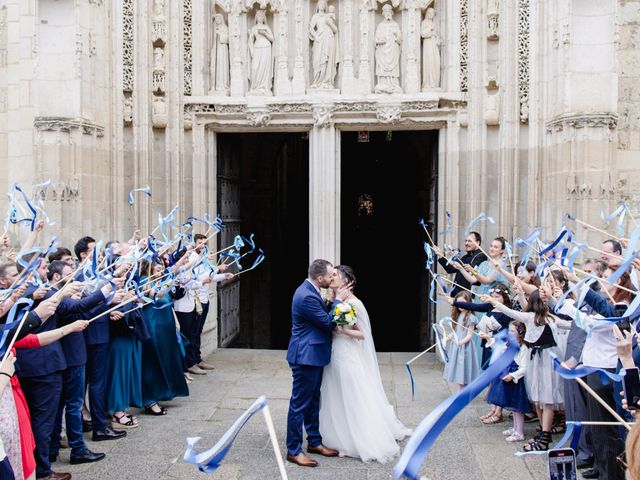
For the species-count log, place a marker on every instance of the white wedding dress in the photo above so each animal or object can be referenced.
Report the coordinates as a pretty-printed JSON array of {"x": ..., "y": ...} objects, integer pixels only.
[{"x": 355, "y": 416}]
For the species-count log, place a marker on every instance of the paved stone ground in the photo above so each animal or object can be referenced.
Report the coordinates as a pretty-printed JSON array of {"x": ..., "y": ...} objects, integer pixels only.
[{"x": 466, "y": 450}]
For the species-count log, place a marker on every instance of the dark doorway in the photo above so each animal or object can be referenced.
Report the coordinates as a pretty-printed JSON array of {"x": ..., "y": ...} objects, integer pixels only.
[
  {"x": 263, "y": 188},
  {"x": 388, "y": 184}
]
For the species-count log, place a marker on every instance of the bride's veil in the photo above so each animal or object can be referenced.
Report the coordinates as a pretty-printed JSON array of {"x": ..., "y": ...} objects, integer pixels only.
[{"x": 369, "y": 351}]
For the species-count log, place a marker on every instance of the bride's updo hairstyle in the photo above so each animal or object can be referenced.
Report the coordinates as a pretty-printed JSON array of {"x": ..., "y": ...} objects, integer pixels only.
[{"x": 346, "y": 272}]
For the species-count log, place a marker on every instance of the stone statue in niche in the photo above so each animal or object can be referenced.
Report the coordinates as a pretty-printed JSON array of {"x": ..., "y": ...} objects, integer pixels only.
[
  {"x": 160, "y": 116},
  {"x": 492, "y": 109},
  {"x": 388, "y": 39},
  {"x": 127, "y": 110},
  {"x": 430, "y": 51},
  {"x": 219, "y": 66},
  {"x": 158, "y": 59},
  {"x": 158, "y": 9},
  {"x": 493, "y": 14},
  {"x": 260, "y": 49},
  {"x": 323, "y": 32}
]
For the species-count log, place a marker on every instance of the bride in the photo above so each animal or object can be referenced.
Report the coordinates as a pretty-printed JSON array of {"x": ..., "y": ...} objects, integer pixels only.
[{"x": 355, "y": 415}]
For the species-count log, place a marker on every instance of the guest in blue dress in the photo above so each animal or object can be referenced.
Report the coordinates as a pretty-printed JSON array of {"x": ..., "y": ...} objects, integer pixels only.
[
  {"x": 463, "y": 366},
  {"x": 124, "y": 365},
  {"x": 162, "y": 376},
  {"x": 508, "y": 391}
]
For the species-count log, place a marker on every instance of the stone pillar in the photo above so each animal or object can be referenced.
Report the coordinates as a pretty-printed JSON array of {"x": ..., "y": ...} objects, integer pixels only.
[
  {"x": 349, "y": 84},
  {"x": 281, "y": 84},
  {"x": 411, "y": 17},
  {"x": 299, "y": 82},
  {"x": 367, "y": 33},
  {"x": 324, "y": 193},
  {"x": 237, "y": 32}
]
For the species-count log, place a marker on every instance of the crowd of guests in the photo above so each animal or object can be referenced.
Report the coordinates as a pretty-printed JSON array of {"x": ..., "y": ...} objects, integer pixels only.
[
  {"x": 491, "y": 294},
  {"x": 87, "y": 350}
]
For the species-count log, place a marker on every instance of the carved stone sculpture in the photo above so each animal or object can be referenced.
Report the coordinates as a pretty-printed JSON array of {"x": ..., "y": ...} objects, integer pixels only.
[
  {"x": 219, "y": 66},
  {"x": 160, "y": 116},
  {"x": 158, "y": 59},
  {"x": 158, "y": 9},
  {"x": 323, "y": 32},
  {"x": 260, "y": 48},
  {"x": 492, "y": 110},
  {"x": 127, "y": 110},
  {"x": 388, "y": 39},
  {"x": 430, "y": 52}
]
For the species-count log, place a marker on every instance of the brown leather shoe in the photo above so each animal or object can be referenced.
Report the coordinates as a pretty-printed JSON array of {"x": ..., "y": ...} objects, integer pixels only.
[
  {"x": 322, "y": 450},
  {"x": 302, "y": 460},
  {"x": 58, "y": 476}
]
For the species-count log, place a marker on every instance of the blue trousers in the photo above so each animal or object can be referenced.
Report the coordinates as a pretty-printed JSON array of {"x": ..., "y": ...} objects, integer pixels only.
[
  {"x": 96, "y": 373},
  {"x": 202, "y": 318},
  {"x": 72, "y": 399},
  {"x": 304, "y": 408},
  {"x": 43, "y": 395}
]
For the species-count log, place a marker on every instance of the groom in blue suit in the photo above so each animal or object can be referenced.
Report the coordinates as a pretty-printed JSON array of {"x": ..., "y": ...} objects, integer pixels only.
[{"x": 309, "y": 351}]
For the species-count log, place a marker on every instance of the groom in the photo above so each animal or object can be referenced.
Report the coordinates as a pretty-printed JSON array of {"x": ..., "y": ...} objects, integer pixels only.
[{"x": 309, "y": 351}]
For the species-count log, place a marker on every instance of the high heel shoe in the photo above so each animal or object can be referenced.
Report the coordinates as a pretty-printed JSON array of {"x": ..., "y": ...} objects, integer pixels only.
[{"x": 150, "y": 411}]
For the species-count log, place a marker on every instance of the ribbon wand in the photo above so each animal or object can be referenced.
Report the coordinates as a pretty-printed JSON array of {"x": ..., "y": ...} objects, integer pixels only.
[{"x": 423, "y": 225}]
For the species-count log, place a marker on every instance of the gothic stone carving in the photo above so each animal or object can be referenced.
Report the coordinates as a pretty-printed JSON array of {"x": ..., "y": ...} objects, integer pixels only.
[
  {"x": 523, "y": 59},
  {"x": 67, "y": 125},
  {"x": 323, "y": 116},
  {"x": 219, "y": 58},
  {"x": 187, "y": 45},
  {"x": 323, "y": 32},
  {"x": 127, "y": 45},
  {"x": 430, "y": 51},
  {"x": 464, "y": 44},
  {"x": 160, "y": 115},
  {"x": 261, "y": 50},
  {"x": 389, "y": 114},
  {"x": 388, "y": 38},
  {"x": 259, "y": 118}
]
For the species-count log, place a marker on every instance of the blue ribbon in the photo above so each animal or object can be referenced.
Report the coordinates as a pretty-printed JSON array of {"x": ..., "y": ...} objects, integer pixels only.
[
  {"x": 260, "y": 258},
  {"x": 209, "y": 461},
  {"x": 167, "y": 221},
  {"x": 425, "y": 435},
  {"x": 39, "y": 193},
  {"x": 12, "y": 321},
  {"x": 146, "y": 190},
  {"x": 430, "y": 256},
  {"x": 179, "y": 337},
  {"x": 480, "y": 218},
  {"x": 582, "y": 371},
  {"x": 14, "y": 205},
  {"x": 529, "y": 239},
  {"x": 618, "y": 213},
  {"x": 555, "y": 243},
  {"x": 448, "y": 228}
]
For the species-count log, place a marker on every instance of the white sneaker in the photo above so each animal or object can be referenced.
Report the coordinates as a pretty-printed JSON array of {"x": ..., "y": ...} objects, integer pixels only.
[
  {"x": 516, "y": 437},
  {"x": 508, "y": 432}
]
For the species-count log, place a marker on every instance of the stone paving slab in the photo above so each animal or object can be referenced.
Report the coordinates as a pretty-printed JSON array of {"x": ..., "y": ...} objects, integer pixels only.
[{"x": 465, "y": 450}]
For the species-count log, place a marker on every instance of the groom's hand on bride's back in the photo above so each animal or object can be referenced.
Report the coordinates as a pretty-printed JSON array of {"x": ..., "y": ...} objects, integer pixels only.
[{"x": 343, "y": 292}]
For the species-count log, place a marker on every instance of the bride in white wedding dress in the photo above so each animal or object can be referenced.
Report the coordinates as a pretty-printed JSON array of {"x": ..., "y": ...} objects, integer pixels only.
[{"x": 355, "y": 416}]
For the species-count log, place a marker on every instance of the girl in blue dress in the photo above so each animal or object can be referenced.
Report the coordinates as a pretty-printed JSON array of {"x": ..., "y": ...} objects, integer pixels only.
[
  {"x": 463, "y": 366},
  {"x": 510, "y": 392}
]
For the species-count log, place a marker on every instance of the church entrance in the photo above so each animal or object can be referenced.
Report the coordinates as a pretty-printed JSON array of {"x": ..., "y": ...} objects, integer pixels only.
[
  {"x": 263, "y": 188},
  {"x": 388, "y": 182}
]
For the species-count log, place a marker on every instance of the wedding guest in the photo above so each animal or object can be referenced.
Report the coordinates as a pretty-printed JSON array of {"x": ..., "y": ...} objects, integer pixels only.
[
  {"x": 542, "y": 383},
  {"x": 612, "y": 255},
  {"x": 41, "y": 369},
  {"x": 600, "y": 352},
  {"x": 72, "y": 398},
  {"x": 486, "y": 275},
  {"x": 11, "y": 466},
  {"x": 162, "y": 377},
  {"x": 205, "y": 278},
  {"x": 84, "y": 247},
  {"x": 473, "y": 257},
  {"x": 509, "y": 390},
  {"x": 462, "y": 367},
  {"x": 492, "y": 322},
  {"x": 62, "y": 254}
]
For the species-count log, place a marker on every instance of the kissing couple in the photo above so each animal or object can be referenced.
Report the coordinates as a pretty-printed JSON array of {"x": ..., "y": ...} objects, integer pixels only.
[{"x": 337, "y": 393}]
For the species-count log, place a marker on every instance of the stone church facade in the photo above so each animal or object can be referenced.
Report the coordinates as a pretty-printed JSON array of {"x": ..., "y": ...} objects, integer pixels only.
[{"x": 536, "y": 104}]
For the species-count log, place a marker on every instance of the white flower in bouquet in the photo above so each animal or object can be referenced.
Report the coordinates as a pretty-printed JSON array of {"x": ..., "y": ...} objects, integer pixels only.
[{"x": 344, "y": 314}]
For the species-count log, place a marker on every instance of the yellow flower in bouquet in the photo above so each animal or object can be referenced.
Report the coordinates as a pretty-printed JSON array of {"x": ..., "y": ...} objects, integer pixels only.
[{"x": 344, "y": 314}]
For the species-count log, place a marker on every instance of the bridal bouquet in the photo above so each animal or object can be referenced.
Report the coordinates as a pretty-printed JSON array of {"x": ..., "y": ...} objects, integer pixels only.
[{"x": 344, "y": 314}]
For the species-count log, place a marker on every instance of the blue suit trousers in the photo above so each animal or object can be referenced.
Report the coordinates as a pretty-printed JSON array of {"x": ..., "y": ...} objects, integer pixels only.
[{"x": 304, "y": 408}]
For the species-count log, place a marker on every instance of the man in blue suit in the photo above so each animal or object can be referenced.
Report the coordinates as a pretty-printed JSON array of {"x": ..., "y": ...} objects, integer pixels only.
[{"x": 309, "y": 351}]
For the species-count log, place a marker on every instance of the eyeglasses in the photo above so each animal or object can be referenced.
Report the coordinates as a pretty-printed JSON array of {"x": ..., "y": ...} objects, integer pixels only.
[{"x": 622, "y": 461}]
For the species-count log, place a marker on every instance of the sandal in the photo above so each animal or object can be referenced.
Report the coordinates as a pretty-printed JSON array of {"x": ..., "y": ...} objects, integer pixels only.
[
  {"x": 118, "y": 421},
  {"x": 493, "y": 419},
  {"x": 150, "y": 411},
  {"x": 559, "y": 423},
  {"x": 539, "y": 444},
  {"x": 516, "y": 437},
  {"x": 487, "y": 415},
  {"x": 508, "y": 432}
]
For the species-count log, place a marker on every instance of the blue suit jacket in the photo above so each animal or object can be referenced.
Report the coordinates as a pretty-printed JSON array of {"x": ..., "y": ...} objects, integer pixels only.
[
  {"x": 311, "y": 329},
  {"x": 41, "y": 361}
]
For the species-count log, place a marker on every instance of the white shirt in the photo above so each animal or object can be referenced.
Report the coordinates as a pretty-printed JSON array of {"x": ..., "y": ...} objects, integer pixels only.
[{"x": 314, "y": 286}]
